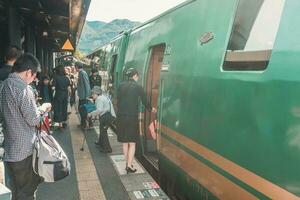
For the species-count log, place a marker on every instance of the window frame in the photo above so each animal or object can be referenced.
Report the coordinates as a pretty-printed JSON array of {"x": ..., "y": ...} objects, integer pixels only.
[{"x": 236, "y": 60}]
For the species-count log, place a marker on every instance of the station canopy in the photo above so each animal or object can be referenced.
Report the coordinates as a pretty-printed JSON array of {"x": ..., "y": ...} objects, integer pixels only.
[{"x": 56, "y": 20}]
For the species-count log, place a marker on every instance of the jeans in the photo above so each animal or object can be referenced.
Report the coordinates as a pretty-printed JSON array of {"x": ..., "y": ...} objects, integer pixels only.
[{"x": 23, "y": 181}]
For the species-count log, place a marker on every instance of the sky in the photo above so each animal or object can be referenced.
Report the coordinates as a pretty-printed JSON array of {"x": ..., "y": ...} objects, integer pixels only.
[{"x": 134, "y": 10}]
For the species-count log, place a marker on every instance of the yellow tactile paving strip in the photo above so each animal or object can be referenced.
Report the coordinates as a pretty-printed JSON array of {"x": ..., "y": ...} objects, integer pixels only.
[{"x": 89, "y": 185}]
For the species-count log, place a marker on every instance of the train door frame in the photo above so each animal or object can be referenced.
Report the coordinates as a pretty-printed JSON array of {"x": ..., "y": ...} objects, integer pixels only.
[
  {"x": 152, "y": 85},
  {"x": 113, "y": 75},
  {"x": 114, "y": 59}
]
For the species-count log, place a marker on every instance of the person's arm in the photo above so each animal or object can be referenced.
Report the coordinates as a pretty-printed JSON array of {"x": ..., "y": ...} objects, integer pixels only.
[
  {"x": 143, "y": 97},
  {"x": 28, "y": 108},
  {"x": 99, "y": 108}
]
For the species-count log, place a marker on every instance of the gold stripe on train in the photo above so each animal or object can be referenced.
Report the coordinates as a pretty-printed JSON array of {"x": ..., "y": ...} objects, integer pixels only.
[
  {"x": 258, "y": 183},
  {"x": 217, "y": 184}
]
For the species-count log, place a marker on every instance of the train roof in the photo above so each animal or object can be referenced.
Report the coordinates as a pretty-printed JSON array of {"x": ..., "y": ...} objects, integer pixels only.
[
  {"x": 137, "y": 28},
  {"x": 141, "y": 26},
  {"x": 112, "y": 40}
]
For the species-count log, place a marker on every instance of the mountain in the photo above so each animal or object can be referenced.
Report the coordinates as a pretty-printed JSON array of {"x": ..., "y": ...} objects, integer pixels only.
[{"x": 97, "y": 33}]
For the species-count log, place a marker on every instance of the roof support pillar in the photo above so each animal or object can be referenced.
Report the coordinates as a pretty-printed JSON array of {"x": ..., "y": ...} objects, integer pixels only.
[
  {"x": 39, "y": 50},
  {"x": 30, "y": 39},
  {"x": 46, "y": 58},
  {"x": 14, "y": 26},
  {"x": 50, "y": 61}
]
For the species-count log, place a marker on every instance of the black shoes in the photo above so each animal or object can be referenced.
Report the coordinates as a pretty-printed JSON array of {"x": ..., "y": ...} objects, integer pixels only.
[{"x": 130, "y": 170}]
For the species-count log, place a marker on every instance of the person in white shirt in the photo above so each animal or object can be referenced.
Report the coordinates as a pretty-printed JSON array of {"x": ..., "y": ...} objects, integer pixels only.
[{"x": 105, "y": 110}]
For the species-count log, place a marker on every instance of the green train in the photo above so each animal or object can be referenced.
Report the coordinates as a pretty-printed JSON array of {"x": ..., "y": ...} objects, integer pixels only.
[{"x": 225, "y": 78}]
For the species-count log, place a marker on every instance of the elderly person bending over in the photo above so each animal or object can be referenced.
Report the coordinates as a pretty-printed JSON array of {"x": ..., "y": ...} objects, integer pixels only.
[{"x": 107, "y": 115}]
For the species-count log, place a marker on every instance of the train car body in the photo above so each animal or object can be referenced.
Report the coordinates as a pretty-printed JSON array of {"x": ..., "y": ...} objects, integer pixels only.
[
  {"x": 111, "y": 57},
  {"x": 224, "y": 76},
  {"x": 115, "y": 55}
]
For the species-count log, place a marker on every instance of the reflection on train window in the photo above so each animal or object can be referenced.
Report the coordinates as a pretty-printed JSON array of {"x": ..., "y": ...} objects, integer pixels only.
[{"x": 253, "y": 34}]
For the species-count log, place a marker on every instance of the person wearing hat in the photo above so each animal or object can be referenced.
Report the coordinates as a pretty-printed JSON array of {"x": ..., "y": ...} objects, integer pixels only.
[
  {"x": 128, "y": 97},
  {"x": 105, "y": 110},
  {"x": 95, "y": 78}
]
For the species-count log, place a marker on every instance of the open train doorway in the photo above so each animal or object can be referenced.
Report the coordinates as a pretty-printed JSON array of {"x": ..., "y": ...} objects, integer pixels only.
[{"x": 152, "y": 91}]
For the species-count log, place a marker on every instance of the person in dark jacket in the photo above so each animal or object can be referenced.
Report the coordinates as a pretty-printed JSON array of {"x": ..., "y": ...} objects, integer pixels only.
[
  {"x": 95, "y": 79},
  {"x": 73, "y": 90},
  {"x": 83, "y": 91},
  {"x": 60, "y": 101},
  {"x": 129, "y": 95},
  {"x": 45, "y": 90},
  {"x": 11, "y": 56}
]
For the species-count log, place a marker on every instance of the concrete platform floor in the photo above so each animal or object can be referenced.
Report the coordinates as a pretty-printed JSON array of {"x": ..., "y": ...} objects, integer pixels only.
[{"x": 96, "y": 175}]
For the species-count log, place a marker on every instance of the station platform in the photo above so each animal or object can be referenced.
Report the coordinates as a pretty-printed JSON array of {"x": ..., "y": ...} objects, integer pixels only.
[{"x": 95, "y": 175}]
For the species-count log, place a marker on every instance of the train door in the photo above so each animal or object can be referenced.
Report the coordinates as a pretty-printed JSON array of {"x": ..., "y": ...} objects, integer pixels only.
[{"x": 152, "y": 91}]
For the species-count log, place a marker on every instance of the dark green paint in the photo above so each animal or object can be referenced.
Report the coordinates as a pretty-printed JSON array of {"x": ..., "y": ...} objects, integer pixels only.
[{"x": 250, "y": 118}]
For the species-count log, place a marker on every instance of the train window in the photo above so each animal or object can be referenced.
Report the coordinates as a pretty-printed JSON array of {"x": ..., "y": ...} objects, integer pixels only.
[{"x": 253, "y": 35}]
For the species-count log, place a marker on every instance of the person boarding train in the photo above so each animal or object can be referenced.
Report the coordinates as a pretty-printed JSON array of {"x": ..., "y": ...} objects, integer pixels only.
[{"x": 129, "y": 94}]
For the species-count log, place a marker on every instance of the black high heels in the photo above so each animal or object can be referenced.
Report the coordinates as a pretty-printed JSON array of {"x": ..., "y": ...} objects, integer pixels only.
[
  {"x": 130, "y": 170},
  {"x": 127, "y": 165}
]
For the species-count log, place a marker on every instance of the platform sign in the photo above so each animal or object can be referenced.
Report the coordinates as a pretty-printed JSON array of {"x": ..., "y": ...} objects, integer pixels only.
[
  {"x": 67, "y": 46},
  {"x": 151, "y": 185},
  {"x": 138, "y": 195},
  {"x": 152, "y": 193}
]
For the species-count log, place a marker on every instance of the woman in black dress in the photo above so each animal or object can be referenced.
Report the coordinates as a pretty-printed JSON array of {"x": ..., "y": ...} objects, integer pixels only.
[
  {"x": 129, "y": 94},
  {"x": 60, "y": 102}
]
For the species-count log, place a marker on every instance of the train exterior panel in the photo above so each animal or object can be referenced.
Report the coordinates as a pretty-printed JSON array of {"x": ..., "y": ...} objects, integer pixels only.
[
  {"x": 116, "y": 51},
  {"x": 225, "y": 79},
  {"x": 111, "y": 57}
]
